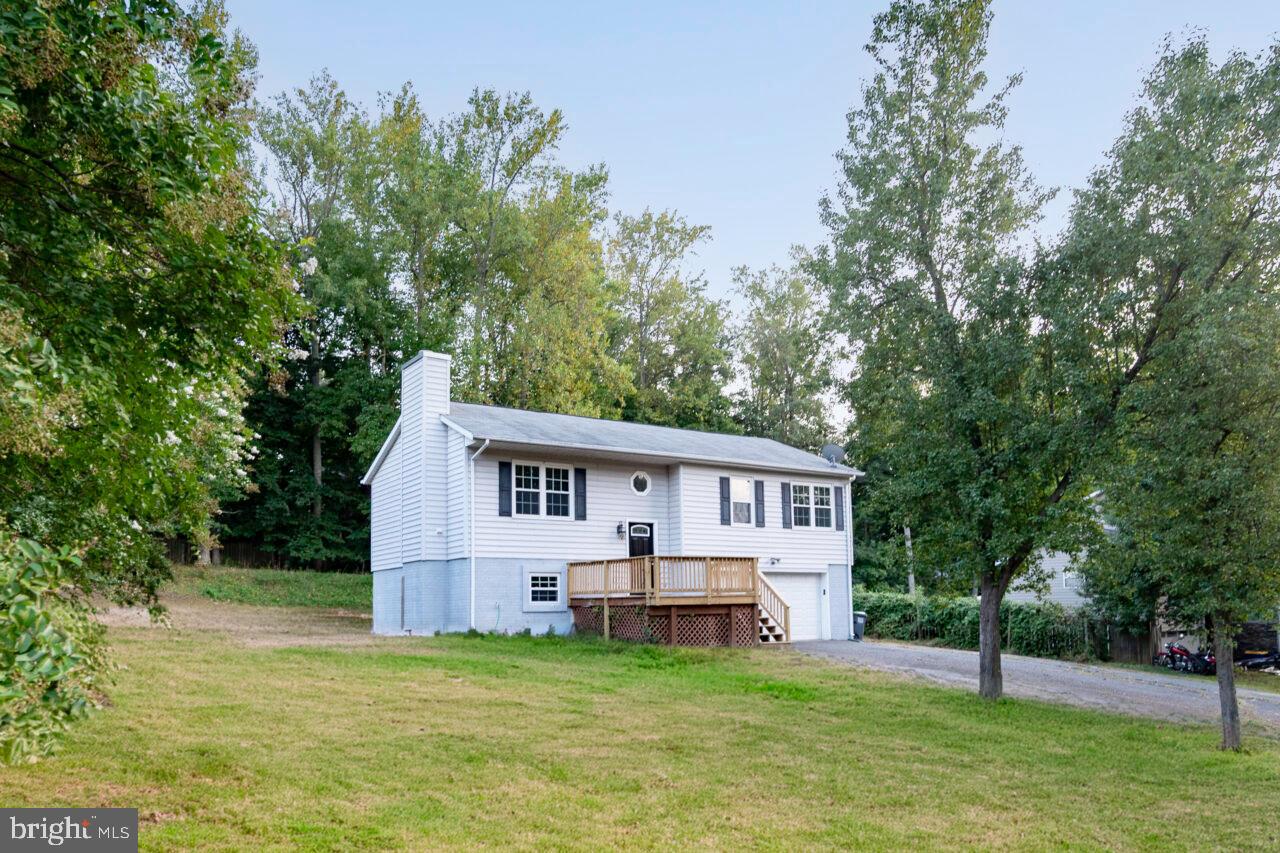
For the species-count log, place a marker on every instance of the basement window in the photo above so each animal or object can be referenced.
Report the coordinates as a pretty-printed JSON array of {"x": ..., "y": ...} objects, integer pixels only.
[{"x": 543, "y": 590}]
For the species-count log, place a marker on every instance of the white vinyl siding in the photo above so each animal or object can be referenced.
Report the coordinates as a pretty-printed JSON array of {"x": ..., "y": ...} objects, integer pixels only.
[
  {"x": 702, "y": 533},
  {"x": 675, "y": 504},
  {"x": 459, "y": 498},
  {"x": 384, "y": 512},
  {"x": 610, "y": 501},
  {"x": 412, "y": 469}
]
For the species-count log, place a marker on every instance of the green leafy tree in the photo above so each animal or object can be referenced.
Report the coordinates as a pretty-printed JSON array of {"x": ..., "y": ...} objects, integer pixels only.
[
  {"x": 339, "y": 200},
  {"x": 786, "y": 363},
  {"x": 1171, "y": 259},
  {"x": 137, "y": 289},
  {"x": 666, "y": 331},
  {"x": 939, "y": 312}
]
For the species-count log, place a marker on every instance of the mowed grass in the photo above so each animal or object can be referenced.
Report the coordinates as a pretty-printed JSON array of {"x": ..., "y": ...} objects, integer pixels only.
[
  {"x": 274, "y": 587},
  {"x": 530, "y": 742}
]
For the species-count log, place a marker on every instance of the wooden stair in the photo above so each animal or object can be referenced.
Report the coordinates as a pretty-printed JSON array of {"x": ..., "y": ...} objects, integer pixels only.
[{"x": 771, "y": 633}]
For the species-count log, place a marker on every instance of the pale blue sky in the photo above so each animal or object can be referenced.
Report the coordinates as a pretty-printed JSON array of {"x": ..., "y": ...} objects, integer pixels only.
[{"x": 731, "y": 112}]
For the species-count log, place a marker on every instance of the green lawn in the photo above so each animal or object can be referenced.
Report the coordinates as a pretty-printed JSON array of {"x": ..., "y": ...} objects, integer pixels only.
[
  {"x": 425, "y": 742},
  {"x": 275, "y": 588}
]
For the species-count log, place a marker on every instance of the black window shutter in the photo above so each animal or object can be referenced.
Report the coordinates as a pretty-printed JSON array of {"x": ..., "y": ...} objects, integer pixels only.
[
  {"x": 725, "y": 515},
  {"x": 504, "y": 488},
  {"x": 839, "y": 507},
  {"x": 580, "y": 495},
  {"x": 759, "y": 503},
  {"x": 786, "y": 505}
]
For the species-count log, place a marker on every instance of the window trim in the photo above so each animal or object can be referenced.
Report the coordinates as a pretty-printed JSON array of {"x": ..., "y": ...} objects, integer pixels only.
[
  {"x": 830, "y": 507},
  {"x": 750, "y": 502},
  {"x": 542, "y": 489},
  {"x": 811, "y": 504},
  {"x": 632, "y": 482},
  {"x": 562, "y": 600}
]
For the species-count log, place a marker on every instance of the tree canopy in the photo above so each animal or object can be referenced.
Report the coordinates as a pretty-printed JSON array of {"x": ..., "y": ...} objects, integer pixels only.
[{"x": 138, "y": 288}]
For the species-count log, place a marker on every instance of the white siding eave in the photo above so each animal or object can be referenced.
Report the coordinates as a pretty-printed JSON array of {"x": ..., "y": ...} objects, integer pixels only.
[
  {"x": 624, "y": 456},
  {"x": 367, "y": 479}
]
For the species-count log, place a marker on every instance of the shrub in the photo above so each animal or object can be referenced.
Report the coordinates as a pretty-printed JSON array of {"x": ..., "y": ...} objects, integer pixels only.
[
  {"x": 51, "y": 650},
  {"x": 1040, "y": 630}
]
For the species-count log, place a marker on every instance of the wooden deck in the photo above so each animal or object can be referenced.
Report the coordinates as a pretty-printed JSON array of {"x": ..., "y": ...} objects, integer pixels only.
[{"x": 683, "y": 581}]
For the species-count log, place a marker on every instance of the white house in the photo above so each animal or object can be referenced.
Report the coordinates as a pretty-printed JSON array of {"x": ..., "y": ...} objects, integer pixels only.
[{"x": 481, "y": 514}]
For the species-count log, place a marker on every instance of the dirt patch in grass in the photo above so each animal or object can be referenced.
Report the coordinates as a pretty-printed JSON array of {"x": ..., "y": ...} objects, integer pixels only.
[{"x": 251, "y": 626}]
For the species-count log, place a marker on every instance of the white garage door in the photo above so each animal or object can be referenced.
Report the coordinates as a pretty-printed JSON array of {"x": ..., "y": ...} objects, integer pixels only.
[{"x": 803, "y": 592}]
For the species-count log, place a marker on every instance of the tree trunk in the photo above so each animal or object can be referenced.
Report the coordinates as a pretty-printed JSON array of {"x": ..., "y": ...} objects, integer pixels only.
[
  {"x": 990, "y": 679},
  {"x": 911, "y": 561},
  {"x": 317, "y": 446},
  {"x": 1224, "y": 651}
]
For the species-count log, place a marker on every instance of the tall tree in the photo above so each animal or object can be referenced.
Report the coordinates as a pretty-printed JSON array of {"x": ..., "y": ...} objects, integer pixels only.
[
  {"x": 939, "y": 312},
  {"x": 313, "y": 136},
  {"x": 669, "y": 334},
  {"x": 786, "y": 363},
  {"x": 1171, "y": 260},
  {"x": 138, "y": 288}
]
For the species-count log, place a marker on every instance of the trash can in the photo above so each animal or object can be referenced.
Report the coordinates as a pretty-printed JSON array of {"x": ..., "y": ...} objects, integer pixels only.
[{"x": 859, "y": 624}]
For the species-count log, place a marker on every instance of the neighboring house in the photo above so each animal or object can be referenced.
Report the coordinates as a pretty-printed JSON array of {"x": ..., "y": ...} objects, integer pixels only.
[
  {"x": 1064, "y": 585},
  {"x": 486, "y": 518}
]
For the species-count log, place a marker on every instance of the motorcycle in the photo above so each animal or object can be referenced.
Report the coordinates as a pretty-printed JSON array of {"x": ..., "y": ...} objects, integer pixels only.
[{"x": 1179, "y": 658}]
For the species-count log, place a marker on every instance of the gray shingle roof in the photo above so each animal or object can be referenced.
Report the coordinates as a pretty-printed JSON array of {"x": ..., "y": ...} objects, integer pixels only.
[{"x": 543, "y": 428}]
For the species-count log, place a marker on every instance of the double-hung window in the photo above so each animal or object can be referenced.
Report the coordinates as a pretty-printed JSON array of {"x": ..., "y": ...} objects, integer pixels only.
[
  {"x": 528, "y": 489},
  {"x": 543, "y": 490},
  {"x": 801, "y": 505},
  {"x": 821, "y": 506},
  {"x": 741, "y": 495},
  {"x": 557, "y": 480}
]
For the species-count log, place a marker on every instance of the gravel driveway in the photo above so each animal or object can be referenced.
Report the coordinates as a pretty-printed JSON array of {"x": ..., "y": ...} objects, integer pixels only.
[{"x": 1150, "y": 694}]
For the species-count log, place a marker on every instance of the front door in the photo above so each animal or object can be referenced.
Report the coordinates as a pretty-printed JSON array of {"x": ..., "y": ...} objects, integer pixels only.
[{"x": 640, "y": 539}]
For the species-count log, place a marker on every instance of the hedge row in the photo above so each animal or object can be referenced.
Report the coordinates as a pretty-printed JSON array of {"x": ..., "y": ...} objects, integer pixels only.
[{"x": 1040, "y": 630}]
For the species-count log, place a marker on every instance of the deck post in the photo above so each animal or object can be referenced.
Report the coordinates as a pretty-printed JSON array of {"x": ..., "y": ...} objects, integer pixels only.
[{"x": 606, "y": 599}]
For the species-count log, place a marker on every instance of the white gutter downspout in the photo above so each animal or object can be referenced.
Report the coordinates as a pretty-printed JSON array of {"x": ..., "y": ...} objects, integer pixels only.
[
  {"x": 471, "y": 544},
  {"x": 848, "y": 555}
]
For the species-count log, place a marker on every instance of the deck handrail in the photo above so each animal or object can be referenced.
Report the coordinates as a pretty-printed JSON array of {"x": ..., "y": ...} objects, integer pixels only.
[
  {"x": 776, "y": 607},
  {"x": 657, "y": 576}
]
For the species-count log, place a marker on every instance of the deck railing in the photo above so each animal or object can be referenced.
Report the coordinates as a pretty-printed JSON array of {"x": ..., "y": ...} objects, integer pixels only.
[
  {"x": 777, "y": 609},
  {"x": 658, "y": 576}
]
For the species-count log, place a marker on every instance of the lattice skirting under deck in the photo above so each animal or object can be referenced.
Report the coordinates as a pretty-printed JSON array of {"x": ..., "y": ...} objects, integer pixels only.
[{"x": 708, "y": 625}]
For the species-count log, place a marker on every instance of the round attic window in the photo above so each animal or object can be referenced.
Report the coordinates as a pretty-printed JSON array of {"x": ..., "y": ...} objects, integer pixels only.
[{"x": 640, "y": 483}]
